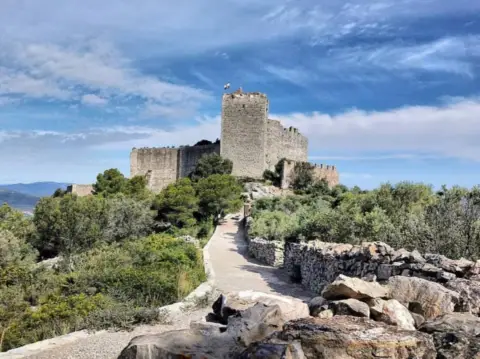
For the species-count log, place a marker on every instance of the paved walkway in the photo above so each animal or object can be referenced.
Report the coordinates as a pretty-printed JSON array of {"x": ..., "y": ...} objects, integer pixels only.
[{"x": 234, "y": 271}]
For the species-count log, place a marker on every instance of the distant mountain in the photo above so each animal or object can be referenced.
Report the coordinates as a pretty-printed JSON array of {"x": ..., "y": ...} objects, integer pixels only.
[
  {"x": 20, "y": 201},
  {"x": 37, "y": 189}
]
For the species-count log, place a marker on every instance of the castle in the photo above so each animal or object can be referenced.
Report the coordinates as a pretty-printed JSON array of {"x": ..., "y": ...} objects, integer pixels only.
[{"x": 252, "y": 141}]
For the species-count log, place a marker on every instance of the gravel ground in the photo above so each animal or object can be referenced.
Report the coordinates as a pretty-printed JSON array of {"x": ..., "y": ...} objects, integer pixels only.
[{"x": 109, "y": 345}]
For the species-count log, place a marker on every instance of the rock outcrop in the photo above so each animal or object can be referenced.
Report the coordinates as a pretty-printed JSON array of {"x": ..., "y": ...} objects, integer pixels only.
[
  {"x": 426, "y": 298},
  {"x": 346, "y": 287},
  {"x": 253, "y": 325}
]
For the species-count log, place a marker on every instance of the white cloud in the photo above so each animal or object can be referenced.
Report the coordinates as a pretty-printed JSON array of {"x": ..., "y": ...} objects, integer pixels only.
[
  {"x": 456, "y": 55},
  {"x": 17, "y": 83},
  {"x": 182, "y": 26},
  {"x": 394, "y": 156},
  {"x": 94, "y": 100},
  {"x": 451, "y": 130}
]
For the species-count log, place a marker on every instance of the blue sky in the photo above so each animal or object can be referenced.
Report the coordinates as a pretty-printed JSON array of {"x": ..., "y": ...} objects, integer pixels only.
[{"x": 387, "y": 90}]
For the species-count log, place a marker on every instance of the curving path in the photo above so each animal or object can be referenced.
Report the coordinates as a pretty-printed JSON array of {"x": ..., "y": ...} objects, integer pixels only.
[{"x": 233, "y": 271}]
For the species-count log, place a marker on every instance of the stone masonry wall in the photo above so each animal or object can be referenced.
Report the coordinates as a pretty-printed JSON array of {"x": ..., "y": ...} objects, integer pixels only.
[
  {"x": 267, "y": 252},
  {"x": 190, "y": 155},
  {"x": 163, "y": 166},
  {"x": 284, "y": 143},
  {"x": 244, "y": 127},
  {"x": 316, "y": 264},
  {"x": 159, "y": 165},
  {"x": 327, "y": 172},
  {"x": 80, "y": 189}
]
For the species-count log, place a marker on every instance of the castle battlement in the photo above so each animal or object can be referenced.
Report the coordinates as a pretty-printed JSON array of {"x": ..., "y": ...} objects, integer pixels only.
[{"x": 252, "y": 141}]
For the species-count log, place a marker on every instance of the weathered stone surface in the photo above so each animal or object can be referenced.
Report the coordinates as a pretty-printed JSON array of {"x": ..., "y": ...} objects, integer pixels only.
[
  {"x": 456, "y": 335},
  {"x": 431, "y": 299},
  {"x": 347, "y": 337},
  {"x": 347, "y": 287},
  {"x": 350, "y": 307},
  {"x": 251, "y": 325},
  {"x": 391, "y": 312},
  {"x": 255, "y": 323},
  {"x": 469, "y": 300},
  {"x": 459, "y": 266},
  {"x": 317, "y": 305},
  {"x": 234, "y": 302},
  {"x": 180, "y": 344},
  {"x": 419, "y": 319},
  {"x": 455, "y": 322},
  {"x": 207, "y": 328},
  {"x": 278, "y": 350},
  {"x": 326, "y": 314}
]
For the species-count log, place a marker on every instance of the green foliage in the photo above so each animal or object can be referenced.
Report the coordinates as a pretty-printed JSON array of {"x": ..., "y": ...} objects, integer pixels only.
[
  {"x": 110, "y": 182},
  {"x": 218, "y": 194},
  {"x": 408, "y": 215},
  {"x": 68, "y": 224},
  {"x": 15, "y": 222},
  {"x": 302, "y": 176},
  {"x": 127, "y": 218},
  {"x": 178, "y": 203},
  {"x": 211, "y": 164},
  {"x": 274, "y": 225}
]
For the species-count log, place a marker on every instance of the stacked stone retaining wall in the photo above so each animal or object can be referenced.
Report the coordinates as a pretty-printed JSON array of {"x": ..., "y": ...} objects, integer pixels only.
[{"x": 316, "y": 264}]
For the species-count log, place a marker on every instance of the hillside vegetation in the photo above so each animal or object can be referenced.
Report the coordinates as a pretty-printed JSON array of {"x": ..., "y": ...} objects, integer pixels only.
[
  {"x": 108, "y": 260},
  {"x": 408, "y": 215}
]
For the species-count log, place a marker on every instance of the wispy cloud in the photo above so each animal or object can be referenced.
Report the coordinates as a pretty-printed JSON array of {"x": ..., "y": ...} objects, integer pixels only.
[
  {"x": 393, "y": 156},
  {"x": 456, "y": 55},
  {"x": 93, "y": 100},
  {"x": 450, "y": 130}
]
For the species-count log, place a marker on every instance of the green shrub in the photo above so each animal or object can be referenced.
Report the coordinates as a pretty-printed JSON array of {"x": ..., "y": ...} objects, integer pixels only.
[{"x": 274, "y": 226}]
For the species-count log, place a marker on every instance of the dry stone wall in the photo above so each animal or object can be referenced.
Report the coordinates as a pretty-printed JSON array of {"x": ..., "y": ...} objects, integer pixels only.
[{"x": 316, "y": 264}]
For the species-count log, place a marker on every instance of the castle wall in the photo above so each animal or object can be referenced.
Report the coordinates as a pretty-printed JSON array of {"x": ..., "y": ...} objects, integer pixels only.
[
  {"x": 159, "y": 165},
  {"x": 244, "y": 128},
  {"x": 284, "y": 143},
  {"x": 327, "y": 172},
  {"x": 80, "y": 189},
  {"x": 190, "y": 155}
]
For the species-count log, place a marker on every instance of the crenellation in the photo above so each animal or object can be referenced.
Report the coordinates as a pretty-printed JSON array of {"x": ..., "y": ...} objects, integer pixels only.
[{"x": 251, "y": 140}]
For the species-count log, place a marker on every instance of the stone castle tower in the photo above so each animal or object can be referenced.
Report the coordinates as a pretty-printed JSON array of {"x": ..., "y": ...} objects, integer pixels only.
[{"x": 251, "y": 140}]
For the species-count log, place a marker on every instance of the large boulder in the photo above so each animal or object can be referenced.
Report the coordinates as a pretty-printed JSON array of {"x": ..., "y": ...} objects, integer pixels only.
[
  {"x": 391, "y": 312},
  {"x": 350, "y": 307},
  {"x": 280, "y": 350},
  {"x": 251, "y": 325},
  {"x": 428, "y": 299},
  {"x": 456, "y": 336},
  {"x": 317, "y": 305},
  {"x": 347, "y": 287},
  {"x": 235, "y": 302},
  {"x": 347, "y": 337},
  {"x": 469, "y": 300},
  {"x": 454, "y": 322}
]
